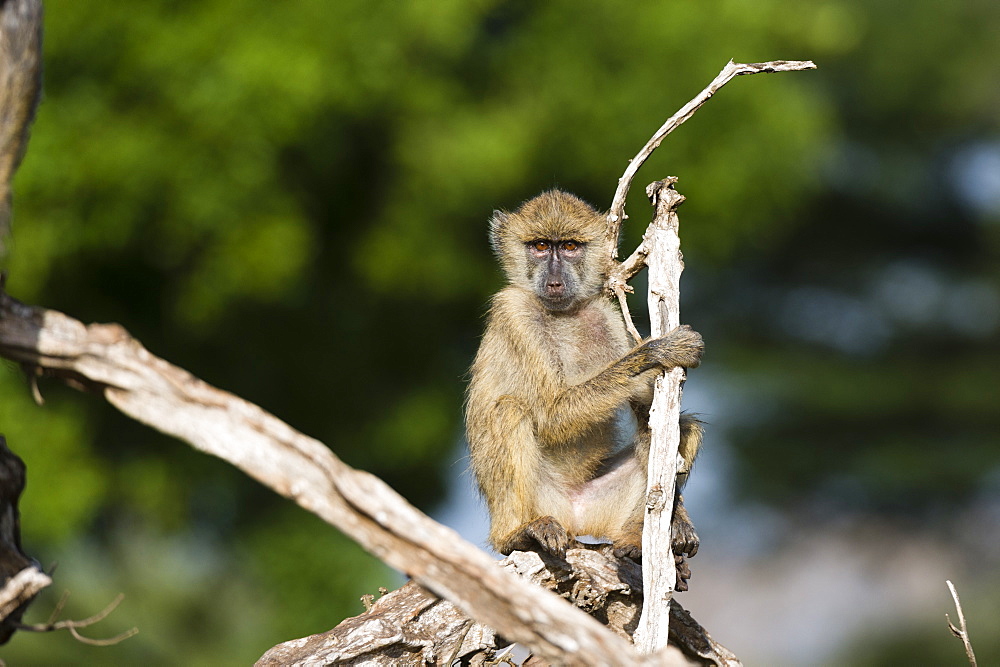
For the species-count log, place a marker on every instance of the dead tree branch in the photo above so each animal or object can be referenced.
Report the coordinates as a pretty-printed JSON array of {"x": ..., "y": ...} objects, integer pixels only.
[
  {"x": 617, "y": 283},
  {"x": 962, "y": 632},
  {"x": 73, "y": 626},
  {"x": 413, "y": 626},
  {"x": 660, "y": 249},
  {"x": 616, "y": 216},
  {"x": 105, "y": 359},
  {"x": 665, "y": 266}
]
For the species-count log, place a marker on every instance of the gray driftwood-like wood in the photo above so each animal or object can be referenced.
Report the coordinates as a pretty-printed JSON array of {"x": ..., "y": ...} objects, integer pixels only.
[
  {"x": 660, "y": 250},
  {"x": 665, "y": 267},
  {"x": 106, "y": 360},
  {"x": 411, "y": 626}
]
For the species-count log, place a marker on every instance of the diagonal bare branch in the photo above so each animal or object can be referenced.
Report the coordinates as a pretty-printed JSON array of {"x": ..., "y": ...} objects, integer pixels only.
[
  {"x": 104, "y": 358},
  {"x": 616, "y": 216}
]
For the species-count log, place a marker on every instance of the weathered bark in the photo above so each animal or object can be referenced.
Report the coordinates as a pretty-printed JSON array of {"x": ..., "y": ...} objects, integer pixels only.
[
  {"x": 665, "y": 262},
  {"x": 411, "y": 626}
]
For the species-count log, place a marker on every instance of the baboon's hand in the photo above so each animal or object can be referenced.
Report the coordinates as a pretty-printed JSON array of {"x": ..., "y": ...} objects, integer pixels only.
[
  {"x": 550, "y": 535},
  {"x": 683, "y": 573},
  {"x": 544, "y": 532},
  {"x": 681, "y": 347},
  {"x": 633, "y": 551},
  {"x": 684, "y": 539}
]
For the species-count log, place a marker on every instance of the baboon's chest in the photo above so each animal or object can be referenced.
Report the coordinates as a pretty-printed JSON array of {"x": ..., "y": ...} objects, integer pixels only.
[{"x": 590, "y": 343}]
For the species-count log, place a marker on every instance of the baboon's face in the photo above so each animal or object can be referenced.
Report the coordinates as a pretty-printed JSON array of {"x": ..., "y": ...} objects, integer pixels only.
[{"x": 554, "y": 271}]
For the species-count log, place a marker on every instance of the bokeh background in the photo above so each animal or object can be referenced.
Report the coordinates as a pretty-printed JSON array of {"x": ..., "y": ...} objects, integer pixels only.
[{"x": 289, "y": 199}]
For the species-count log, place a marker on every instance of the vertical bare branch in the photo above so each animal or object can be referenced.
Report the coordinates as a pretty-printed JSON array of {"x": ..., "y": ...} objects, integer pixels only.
[
  {"x": 662, "y": 244},
  {"x": 658, "y": 571}
]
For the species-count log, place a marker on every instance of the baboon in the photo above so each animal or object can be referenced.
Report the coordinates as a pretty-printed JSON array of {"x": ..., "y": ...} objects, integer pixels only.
[{"x": 558, "y": 401}]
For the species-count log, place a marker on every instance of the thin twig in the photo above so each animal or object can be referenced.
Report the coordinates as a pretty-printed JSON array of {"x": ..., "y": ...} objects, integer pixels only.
[
  {"x": 620, "y": 290},
  {"x": 72, "y": 626},
  {"x": 962, "y": 633},
  {"x": 110, "y": 641},
  {"x": 57, "y": 610},
  {"x": 99, "y": 616},
  {"x": 33, "y": 373},
  {"x": 618, "y": 284},
  {"x": 616, "y": 216},
  {"x": 623, "y": 272}
]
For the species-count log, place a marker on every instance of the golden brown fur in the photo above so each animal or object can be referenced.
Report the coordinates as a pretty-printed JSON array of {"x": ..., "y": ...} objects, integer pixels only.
[{"x": 557, "y": 403}]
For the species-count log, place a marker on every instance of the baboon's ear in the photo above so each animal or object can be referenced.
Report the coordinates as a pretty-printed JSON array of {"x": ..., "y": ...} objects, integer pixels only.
[{"x": 498, "y": 223}]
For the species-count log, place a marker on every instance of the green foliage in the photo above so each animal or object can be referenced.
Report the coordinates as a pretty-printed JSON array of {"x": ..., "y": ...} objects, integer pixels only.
[
  {"x": 289, "y": 199},
  {"x": 54, "y": 444}
]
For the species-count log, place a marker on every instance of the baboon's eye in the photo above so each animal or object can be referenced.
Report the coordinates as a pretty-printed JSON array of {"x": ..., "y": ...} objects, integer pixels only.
[
  {"x": 570, "y": 245},
  {"x": 540, "y": 246}
]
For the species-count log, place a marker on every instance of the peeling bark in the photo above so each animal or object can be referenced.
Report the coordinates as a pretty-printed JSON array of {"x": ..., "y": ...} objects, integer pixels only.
[{"x": 411, "y": 626}]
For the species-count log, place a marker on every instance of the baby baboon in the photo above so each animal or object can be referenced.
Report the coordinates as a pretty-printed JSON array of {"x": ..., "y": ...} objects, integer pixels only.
[{"x": 558, "y": 401}]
